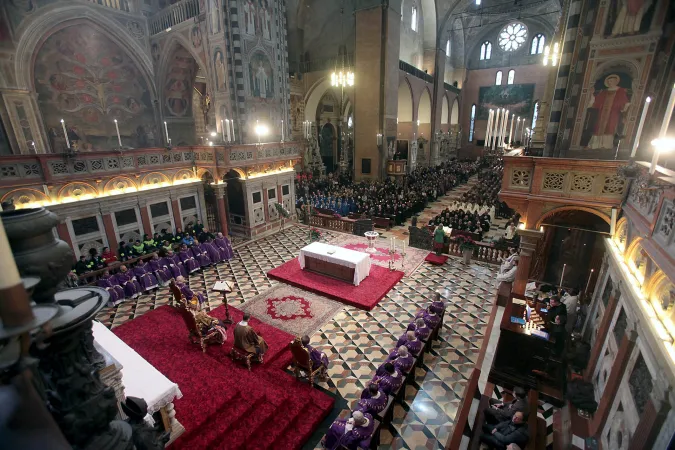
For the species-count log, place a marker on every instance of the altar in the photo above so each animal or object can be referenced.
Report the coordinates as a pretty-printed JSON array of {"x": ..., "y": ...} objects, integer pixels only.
[
  {"x": 139, "y": 378},
  {"x": 337, "y": 262}
]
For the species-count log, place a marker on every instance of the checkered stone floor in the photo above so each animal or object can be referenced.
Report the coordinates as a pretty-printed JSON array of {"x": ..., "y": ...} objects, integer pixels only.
[{"x": 357, "y": 342}]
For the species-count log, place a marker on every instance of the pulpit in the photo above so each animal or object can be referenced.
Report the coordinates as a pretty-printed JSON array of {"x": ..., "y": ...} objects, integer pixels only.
[{"x": 396, "y": 167}]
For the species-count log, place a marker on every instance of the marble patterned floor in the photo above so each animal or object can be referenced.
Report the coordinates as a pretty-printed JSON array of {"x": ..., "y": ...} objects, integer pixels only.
[{"x": 357, "y": 341}]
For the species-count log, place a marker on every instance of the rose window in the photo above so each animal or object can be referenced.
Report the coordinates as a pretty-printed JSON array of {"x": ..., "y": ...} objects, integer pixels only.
[{"x": 512, "y": 37}]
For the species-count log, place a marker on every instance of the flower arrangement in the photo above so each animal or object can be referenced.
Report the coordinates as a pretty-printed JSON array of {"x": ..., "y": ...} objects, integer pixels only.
[
  {"x": 465, "y": 242},
  {"x": 283, "y": 212},
  {"x": 315, "y": 234}
]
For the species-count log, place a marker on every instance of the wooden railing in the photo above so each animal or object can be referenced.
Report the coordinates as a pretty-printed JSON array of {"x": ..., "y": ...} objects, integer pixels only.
[
  {"x": 414, "y": 71},
  {"x": 173, "y": 15},
  {"x": 342, "y": 224}
]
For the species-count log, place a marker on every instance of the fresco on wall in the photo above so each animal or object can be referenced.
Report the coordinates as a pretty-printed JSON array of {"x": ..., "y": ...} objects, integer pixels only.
[
  {"x": 219, "y": 64},
  {"x": 261, "y": 76},
  {"x": 626, "y": 17},
  {"x": 607, "y": 110},
  {"x": 257, "y": 18},
  {"x": 297, "y": 112},
  {"x": 180, "y": 77},
  {"x": 517, "y": 98},
  {"x": 84, "y": 78}
]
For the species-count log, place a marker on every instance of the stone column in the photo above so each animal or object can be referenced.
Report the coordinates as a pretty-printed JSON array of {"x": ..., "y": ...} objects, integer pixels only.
[
  {"x": 437, "y": 105},
  {"x": 175, "y": 208},
  {"x": 145, "y": 219},
  {"x": 528, "y": 244},
  {"x": 376, "y": 82},
  {"x": 64, "y": 235},
  {"x": 265, "y": 204},
  {"x": 653, "y": 416},
  {"x": 109, "y": 226},
  {"x": 221, "y": 197},
  {"x": 603, "y": 330},
  {"x": 614, "y": 380}
]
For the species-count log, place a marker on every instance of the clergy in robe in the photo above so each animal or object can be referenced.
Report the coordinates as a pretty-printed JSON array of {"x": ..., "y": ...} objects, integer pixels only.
[
  {"x": 173, "y": 264},
  {"x": 211, "y": 250},
  {"x": 145, "y": 277},
  {"x": 430, "y": 317},
  {"x": 391, "y": 378},
  {"x": 127, "y": 280},
  {"x": 110, "y": 284},
  {"x": 319, "y": 358},
  {"x": 438, "y": 305},
  {"x": 246, "y": 339},
  {"x": 401, "y": 359},
  {"x": 223, "y": 245},
  {"x": 352, "y": 433},
  {"x": 373, "y": 400},
  {"x": 200, "y": 254},
  {"x": 404, "y": 337},
  {"x": 188, "y": 260},
  {"x": 422, "y": 331},
  {"x": 208, "y": 324},
  {"x": 162, "y": 273},
  {"x": 188, "y": 293},
  {"x": 414, "y": 345}
]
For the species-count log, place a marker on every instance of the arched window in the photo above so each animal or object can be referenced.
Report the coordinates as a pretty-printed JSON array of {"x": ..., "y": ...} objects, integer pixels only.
[
  {"x": 538, "y": 43},
  {"x": 498, "y": 78},
  {"x": 447, "y": 48},
  {"x": 535, "y": 115},
  {"x": 512, "y": 75},
  {"x": 413, "y": 21},
  {"x": 485, "y": 51},
  {"x": 473, "y": 120}
]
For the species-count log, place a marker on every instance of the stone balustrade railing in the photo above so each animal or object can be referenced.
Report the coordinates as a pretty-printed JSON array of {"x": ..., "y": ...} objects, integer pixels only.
[
  {"x": 343, "y": 224},
  {"x": 173, "y": 15},
  {"x": 482, "y": 252},
  {"x": 121, "y": 5}
]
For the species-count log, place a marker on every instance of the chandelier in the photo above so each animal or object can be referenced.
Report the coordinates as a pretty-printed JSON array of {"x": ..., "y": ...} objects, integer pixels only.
[{"x": 342, "y": 79}]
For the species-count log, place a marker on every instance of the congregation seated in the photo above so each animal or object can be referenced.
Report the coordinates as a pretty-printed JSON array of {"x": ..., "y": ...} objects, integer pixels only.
[
  {"x": 500, "y": 411},
  {"x": 352, "y": 433},
  {"x": 319, "y": 358},
  {"x": 373, "y": 400},
  {"x": 410, "y": 340},
  {"x": 510, "y": 431},
  {"x": 401, "y": 359},
  {"x": 389, "y": 378},
  {"x": 247, "y": 341}
]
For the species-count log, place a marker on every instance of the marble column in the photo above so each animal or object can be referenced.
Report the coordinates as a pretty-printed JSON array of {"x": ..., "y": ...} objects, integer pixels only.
[
  {"x": 145, "y": 220},
  {"x": 528, "y": 245},
  {"x": 602, "y": 331},
  {"x": 177, "y": 219},
  {"x": 221, "y": 197},
  {"x": 109, "y": 226},
  {"x": 614, "y": 380}
]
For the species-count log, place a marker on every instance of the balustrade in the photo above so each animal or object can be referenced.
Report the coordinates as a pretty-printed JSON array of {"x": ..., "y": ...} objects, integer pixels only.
[
  {"x": 122, "y": 5},
  {"x": 173, "y": 15},
  {"x": 343, "y": 224}
]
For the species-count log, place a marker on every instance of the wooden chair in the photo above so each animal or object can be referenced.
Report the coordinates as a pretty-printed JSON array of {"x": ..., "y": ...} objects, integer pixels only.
[
  {"x": 196, "y": 335},
  {"x": 238, "y": 354},
  {"x": 302, "y": 361},
  {"x": 177, "y": 294}
]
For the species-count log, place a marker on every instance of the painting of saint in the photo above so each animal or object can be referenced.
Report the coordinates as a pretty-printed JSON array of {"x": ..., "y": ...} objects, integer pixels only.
[
  {"x": 215, "y": 18},
  {"x": 265, "y": 20},
  {"x": 177, "y": 97},
  {"x": 220, "y": 69},
  {"x": 629, "y": 17},
  {"x": 249, "y": 17},
  {"x": 261, "y": 76},
  {"x": 606, "y": 110},
  {"x": 196, "y": 37}
]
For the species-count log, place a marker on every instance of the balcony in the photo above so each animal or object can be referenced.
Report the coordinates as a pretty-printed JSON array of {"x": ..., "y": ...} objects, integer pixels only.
[
  {"x": 173, "y": 15},
  {"x": 414, "y": 71},
  {"x": 537, "y": 186},
  {"x": 317, "y": 65}
]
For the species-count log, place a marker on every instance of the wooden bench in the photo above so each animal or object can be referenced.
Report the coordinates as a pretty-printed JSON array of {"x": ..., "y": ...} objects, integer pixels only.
[{"x": 383, "y": 222}]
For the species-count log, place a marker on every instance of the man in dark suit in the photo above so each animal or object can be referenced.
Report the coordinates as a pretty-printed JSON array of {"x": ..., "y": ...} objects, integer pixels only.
[
  {"x": 501, "y": 411},
  {"x": 508, "y": 432}
]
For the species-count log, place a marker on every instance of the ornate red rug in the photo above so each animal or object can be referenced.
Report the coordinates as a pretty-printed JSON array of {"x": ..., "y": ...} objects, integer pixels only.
[
  {"x": 435, "y": 259},
  {"x": 292, "y": 309},
  {"x": 364, "y": 296},
  {"x": 224, "y": 405}
]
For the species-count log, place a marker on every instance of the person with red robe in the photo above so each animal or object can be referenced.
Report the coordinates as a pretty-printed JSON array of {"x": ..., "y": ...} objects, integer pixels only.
[{"x": 609, "y": 104}]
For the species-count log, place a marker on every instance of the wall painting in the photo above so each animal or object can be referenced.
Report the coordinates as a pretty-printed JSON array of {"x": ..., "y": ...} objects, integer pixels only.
[
  {"x": 606, "y": 112},
  {"x": 180, "y": 77},
  {"x": 516, "y": 98},
  {"x": 261, "y": 76}
]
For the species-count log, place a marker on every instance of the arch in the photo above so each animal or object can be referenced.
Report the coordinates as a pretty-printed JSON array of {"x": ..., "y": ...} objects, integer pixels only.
[
  {"x": 621, "y": 234},
  {"x": 405, "y": 101},
  {"x": 26, "y": 198},
  {"x": 637, "y": 259},
  {"x": 314, "y": 96},
  {"x": 154, "y": 179},
  {"x": 119, "y": 185},
  {"x": 454, "y": 113},
  {"x": 537, "y": 45},
  {"x": 424, "y": 107},
  {"x": 554, "y": 211},
  {"x": 183, "y": 175},
  {"x": 445, "y": 110},
  {"x": 498, "y": 78},
  {"x": 201, "y": 172},
  {"x": 54, "y": 17},
  {"x": 660, "y": 291},
  {"x": 176, "y": 43},
  {"x": 77, "y": 191},
  {"x": 485, "y": 51}
]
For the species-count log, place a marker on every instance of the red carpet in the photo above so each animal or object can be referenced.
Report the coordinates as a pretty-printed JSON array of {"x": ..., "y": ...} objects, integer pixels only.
[
  {"x": 223, "y": 405},
  {"x": 435, "y": 259},
  {"x": 364, "y": 296}
]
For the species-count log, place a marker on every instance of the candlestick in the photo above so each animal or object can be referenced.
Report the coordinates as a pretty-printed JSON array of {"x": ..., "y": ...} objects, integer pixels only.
[
  {"x": 119, "y": 139},
  {"x": 563, "y": 275},
  {"x": 668, "y": 115},
  {"x": 636, "y": 142},
  {"x": 282, "y": 131},
  {"x": 513, "y": 119},
  {"x": 589, "y": 282},
  {"x": 222, "y": 129},
  {"x": 166, "y": 130},
  {"x": 487, "y": 129},
  {"x": 494, "y": 131},
  {"x": 233, "y": 137},
  {"x": 65, "y": 133}
]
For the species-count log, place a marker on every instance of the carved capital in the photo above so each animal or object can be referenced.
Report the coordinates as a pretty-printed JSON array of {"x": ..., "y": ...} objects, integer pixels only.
[{"x": 529, "y": 240}]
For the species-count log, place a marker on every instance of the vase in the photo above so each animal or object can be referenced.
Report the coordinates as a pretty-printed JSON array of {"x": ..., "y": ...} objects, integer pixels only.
[
  {"x": 467, "y": 256},
  {"x": 36, "y": 251}
]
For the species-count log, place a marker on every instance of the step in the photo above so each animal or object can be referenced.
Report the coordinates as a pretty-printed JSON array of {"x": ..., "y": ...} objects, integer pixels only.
[
  {"x": 267, "y": 435},
  {"x": 298, "y": 431},
  {"x": 216, "y": 431},
  {"x": 209, "y": 418},
  {"x": 252, "y": 427}
]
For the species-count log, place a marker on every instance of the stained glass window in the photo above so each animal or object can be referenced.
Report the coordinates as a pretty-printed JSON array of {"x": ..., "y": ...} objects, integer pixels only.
[
  {"x": 498, "y": 78},
  {"x": 511, "y": 77},
  {"x": 538, "y": 43},
  {"x": 485, "y": 51},
  {"x": 512, "y": 36},
  {"x": 413, "y": 22},
  {"x": 473, "y": 119}
]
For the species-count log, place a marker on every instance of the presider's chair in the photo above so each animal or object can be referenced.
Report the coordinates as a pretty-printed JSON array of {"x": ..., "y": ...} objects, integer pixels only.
[
  {"x": 197, "y": 335},
  {"x": 177, "y": 295},
  {"x": 302, "y": 361}
]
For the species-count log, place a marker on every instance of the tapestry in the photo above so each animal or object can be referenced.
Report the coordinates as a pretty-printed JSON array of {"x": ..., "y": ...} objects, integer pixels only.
[
  {"x": 84, "y": 78},
  {"x": 516, "y": 98}
]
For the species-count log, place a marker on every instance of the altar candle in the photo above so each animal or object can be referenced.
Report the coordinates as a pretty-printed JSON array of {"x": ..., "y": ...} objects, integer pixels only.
[
  {"x": 222, "y": 129},
  {"x": 494, "y": 133},
  {"x": 166, "y": 131},
  {"x": 233, "y": 138},
  {"x": 589, "y": 281},
  {"x": 32, "y": 143},
  {"x": 119, "y": 139},
  {"x": 669, "y": 114},
  {"x": 487, "y": 129},
  {"x": 65, "y": 133},
  {"x": 282, "y": 131},
  {"x": 563, "y": 275},
  {"x": 513, "y": 119},
  {"x": 639, "y": 130}
]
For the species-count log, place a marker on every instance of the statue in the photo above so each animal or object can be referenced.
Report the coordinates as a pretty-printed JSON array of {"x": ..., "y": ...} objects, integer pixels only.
[{"x": 390, "y": 149}]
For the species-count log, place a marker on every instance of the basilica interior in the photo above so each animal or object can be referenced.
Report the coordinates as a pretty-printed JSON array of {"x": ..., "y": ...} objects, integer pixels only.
[{"x": 337, "y": 224}]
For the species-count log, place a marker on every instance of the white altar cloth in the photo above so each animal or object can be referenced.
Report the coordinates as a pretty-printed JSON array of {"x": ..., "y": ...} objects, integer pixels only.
[
  {"x": 359, "y": 261},
  {"x": 139, "y": 377}
]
